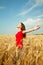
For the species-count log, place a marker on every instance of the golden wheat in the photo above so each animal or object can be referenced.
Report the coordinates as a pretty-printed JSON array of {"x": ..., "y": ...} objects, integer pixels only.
[{"x": 31, "y": 54}]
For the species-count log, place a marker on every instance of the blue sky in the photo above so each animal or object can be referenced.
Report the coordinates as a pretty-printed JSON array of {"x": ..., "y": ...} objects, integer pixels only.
[{"x": 12, "y": 12}]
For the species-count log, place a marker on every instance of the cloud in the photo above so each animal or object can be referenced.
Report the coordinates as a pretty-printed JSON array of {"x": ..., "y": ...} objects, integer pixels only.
[
  {"x": 2, "y": 7},
  {"x": 40, "y": 16},
  {"x": 36, "y": 3},
  {"x": 32, "y": 22},
  {"x": 25, "y": 12},
  {"x": 39, "y": 2}
]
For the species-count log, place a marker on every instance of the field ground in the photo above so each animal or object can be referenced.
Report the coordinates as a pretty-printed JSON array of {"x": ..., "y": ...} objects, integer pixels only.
[{"x": 31, "y": 54}]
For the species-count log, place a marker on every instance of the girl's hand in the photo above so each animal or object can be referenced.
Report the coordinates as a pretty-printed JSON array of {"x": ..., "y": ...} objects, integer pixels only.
[{"x": 36, "y": 27}]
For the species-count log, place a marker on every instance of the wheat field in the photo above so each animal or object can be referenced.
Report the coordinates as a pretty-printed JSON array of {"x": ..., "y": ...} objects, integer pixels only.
[{"x": 31, "y": 54}]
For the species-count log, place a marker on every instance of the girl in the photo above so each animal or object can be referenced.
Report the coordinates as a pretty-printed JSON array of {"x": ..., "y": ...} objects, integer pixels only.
[{"x": 22, "y": 34}]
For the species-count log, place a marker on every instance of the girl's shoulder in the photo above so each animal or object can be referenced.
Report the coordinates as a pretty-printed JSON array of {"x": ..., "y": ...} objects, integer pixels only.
[{"x": 19, "y": 32}]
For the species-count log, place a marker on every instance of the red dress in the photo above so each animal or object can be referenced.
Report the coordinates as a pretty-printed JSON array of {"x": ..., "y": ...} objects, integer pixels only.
[{"x": 19, "y": 38}]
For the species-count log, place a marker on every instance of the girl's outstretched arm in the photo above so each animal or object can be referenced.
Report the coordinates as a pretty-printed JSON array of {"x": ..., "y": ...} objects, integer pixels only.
[{"x": 33, "y": 29}]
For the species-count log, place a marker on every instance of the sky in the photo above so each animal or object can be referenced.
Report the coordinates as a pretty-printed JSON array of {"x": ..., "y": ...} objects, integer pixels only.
[{"x": 12, "y": 12}]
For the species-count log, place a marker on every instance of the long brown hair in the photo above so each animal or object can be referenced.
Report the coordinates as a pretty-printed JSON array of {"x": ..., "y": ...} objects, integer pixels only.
[{"x": 23, "y": 28}]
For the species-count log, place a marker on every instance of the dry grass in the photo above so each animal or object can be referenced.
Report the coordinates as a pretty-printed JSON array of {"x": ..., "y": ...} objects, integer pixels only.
[{"x": 31, "y": 54}]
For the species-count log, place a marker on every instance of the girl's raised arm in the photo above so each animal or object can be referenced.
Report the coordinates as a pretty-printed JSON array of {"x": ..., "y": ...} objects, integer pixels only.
[{"x": 33, "y": 29}]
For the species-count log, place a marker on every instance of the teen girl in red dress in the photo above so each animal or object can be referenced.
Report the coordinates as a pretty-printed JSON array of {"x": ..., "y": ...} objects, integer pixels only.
[{"x": 22, "y": 34}]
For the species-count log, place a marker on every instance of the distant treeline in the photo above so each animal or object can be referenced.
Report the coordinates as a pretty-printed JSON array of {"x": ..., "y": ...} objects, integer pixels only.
[{"x": 39, "y": 34}]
